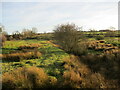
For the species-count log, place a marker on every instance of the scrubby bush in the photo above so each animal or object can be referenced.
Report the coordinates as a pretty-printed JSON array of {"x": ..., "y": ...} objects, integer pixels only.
[{"x": 67, "y": 36}]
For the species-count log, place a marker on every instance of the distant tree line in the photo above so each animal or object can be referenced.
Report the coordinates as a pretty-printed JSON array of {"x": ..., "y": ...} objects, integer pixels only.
[
  {"x": 25, "y": 34},
  {"x": 62, "y": 32}
]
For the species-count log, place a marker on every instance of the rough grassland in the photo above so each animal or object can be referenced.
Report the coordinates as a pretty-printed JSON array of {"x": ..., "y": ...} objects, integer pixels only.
[{"x": 51, "y": 59}]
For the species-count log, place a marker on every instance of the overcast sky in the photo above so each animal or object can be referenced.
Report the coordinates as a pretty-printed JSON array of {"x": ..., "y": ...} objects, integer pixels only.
[{"x": 46, "y": 15}]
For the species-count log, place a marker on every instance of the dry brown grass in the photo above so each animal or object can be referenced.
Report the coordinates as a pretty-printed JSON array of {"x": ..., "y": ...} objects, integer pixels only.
[
  {"x": 90, "y": 71},
  {"x": 31, "y": 77},
  {"x": 100, "y": 45},
  {"x": 20, "y": 56},
  {"x": 75, "y": 72},
  {"x": 73, "y": 63},
  {"x": 55, "y": 45},
  {"x": 30, "y": 46},
  {"x": 72, "y": 79},
  {"x": 112, "y": 51}
]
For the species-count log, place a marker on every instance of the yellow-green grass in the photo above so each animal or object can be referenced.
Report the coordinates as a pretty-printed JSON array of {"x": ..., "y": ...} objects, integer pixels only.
[
  {"x": 11, "y": 46},
  {"x": 51, "y": 59}
]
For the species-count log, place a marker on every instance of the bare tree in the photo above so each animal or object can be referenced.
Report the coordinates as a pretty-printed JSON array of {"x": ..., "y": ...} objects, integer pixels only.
[
  {"x": 67, "y": 36},
  {"x": 2, "y": 35}
]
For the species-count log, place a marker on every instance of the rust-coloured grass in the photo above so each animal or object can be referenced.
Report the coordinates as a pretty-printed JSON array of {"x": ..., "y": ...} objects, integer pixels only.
[
  {"x": 24, "y": 77},
  {"x": 30, "y": 46},
  {"x": 20, "y": 56}
]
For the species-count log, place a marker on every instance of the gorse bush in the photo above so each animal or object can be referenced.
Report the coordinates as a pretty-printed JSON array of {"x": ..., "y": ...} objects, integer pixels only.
[{"x": 67, "y": 36}]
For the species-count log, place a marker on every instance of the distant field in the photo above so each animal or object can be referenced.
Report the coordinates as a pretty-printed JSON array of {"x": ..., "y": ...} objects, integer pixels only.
[{"x": 111, "y": 40}]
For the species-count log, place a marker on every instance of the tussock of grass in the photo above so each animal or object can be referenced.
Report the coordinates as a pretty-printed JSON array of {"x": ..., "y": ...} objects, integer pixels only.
[
  {"x": 72, "y": 79},
  {"x": 31, "y": 77},
  {"x": 30, "y": 46},
  {"x": 20, "y": 56}
]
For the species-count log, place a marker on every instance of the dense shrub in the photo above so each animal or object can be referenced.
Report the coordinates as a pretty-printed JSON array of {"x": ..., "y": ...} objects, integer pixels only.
[{"x": 67, "y": 36}]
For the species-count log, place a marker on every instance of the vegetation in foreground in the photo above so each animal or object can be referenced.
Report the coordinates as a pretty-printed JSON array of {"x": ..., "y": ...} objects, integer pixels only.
[{"x": 77, "y": 60}]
